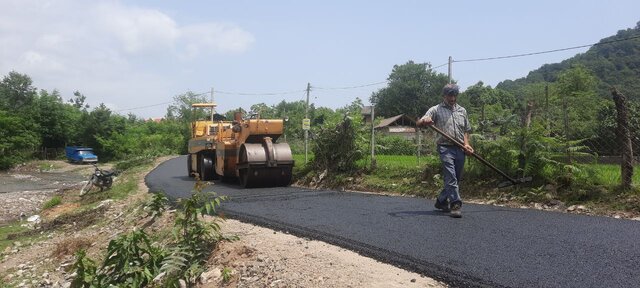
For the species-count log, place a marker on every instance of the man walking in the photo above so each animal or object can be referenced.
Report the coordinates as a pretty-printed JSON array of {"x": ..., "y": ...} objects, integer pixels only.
[{"x": 451, "y": 118}]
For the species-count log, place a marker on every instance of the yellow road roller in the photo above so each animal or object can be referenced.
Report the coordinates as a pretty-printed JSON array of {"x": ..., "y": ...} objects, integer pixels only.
[{"x": 243, "y": 149}]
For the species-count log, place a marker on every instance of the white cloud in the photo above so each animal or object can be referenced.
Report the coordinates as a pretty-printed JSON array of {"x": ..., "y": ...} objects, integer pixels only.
[
  {"x": 112, "y": 52},
  {"x": 215, "y": 37},
  {"x": 136, "y": 29}
]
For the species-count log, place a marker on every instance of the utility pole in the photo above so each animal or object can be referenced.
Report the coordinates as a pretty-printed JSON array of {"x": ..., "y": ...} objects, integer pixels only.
[
  {"x": 286, "y": 119},
  {"x": 213, "y": 109},
  {"x": 546, "y": 110},
  {"x": 306, "y": 131},
  {"x": 450, "y": 62},
  {"x": 373, "y": 138}
]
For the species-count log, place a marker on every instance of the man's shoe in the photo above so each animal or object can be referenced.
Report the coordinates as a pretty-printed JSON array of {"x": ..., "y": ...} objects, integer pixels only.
[
  {"x": 456, "y": 210},
  {"x": 442, "y": 206}
]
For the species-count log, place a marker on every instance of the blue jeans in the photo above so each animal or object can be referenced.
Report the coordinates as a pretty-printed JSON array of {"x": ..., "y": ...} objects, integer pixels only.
[{"x": 452, "y": 158}]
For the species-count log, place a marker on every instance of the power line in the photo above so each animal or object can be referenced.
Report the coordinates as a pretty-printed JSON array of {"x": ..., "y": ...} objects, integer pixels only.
[
  {"x": 382, "y": 82},
  {"x": 141, "y": 107},
  {"x": 350, "y": 87},
  {"x": 445, "y": 64},
  {"x": 544, "y": 52},
  {"x": 259, "y": 94}
]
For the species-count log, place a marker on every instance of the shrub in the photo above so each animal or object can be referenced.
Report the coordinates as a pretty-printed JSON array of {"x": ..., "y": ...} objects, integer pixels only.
[
  {"x": 394, "y": 145},
  {"x": 335, "y": 148}
]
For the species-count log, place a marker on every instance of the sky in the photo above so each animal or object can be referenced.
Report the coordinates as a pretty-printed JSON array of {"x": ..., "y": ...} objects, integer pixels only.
[{"x": 136, "y": 56}]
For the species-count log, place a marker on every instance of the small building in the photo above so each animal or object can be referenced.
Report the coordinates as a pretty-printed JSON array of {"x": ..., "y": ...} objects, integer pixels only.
[{"x": 399, "y": 125}]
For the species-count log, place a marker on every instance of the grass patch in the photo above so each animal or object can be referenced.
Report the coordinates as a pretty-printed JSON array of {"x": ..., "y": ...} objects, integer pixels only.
[
  {"x": 124, "y": 185},
  {"x": 403, "y": 174},
  {"x": 9, "y": 229},
  {"x": 299, "y": 159},
  {"x": 47, "y": 166},
  {"x": 609, "y": 174},
  {"x": 53, "y": 202}
]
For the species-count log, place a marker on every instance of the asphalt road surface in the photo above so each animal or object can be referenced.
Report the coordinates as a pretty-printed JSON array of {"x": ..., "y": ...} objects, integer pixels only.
[{"x": 489, "y": 247}]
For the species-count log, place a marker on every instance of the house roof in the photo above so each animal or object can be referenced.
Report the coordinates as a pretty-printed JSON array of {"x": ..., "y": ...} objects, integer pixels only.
[{"x": 406, "y": 121}]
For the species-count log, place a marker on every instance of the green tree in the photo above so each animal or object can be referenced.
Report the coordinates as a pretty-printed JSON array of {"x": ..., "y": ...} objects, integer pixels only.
[
  {"x": 576, "y": 95},
  {"x": 18, "y": 139},
  {"x": 16, "y": 92},
  {"x": 56, "y": 120},
  {"x": 181, "y": 107},
  {"x": 146, "y": 138},
  {"x": 412, "y": 89},
  {"x": 480, "y": 96},
  {"x": 99, "y": 125},
  {"x": 79, "y": 100}
]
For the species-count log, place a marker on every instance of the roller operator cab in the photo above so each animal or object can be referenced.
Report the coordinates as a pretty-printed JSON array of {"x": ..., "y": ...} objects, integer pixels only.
[{"x": 245, "y": 149}]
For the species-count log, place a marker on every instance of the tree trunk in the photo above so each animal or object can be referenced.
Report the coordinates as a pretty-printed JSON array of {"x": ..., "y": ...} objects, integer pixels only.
[
  {"x": 624, "y": 139},
  {"x": 525, "y": 122}
]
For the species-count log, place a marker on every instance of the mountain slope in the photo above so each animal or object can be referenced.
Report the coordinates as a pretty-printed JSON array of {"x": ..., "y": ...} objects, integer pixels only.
[{"x": 615, "y": 61}]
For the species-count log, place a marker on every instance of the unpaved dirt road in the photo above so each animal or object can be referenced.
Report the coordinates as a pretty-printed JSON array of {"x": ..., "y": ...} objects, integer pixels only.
[{"x": 24, "y": 190}]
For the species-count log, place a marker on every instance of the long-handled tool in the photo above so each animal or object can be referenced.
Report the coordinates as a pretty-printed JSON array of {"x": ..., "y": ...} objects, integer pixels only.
[{"x": 512, "y": 181}]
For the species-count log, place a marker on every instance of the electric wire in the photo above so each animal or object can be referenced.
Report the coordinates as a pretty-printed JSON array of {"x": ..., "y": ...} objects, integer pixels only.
[
  {"x": 259, "y": 94},
  {"x": 350, "y": 87},
  {"x": 441, "y": 65},
  {"x": 142, "y": 107},
  {"x": 544, "y": 52},
  {"x": 382, "y": 82}
]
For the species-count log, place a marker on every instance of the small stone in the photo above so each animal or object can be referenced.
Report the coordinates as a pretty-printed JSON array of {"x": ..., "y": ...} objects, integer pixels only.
[{"x": 413, "y": 280}]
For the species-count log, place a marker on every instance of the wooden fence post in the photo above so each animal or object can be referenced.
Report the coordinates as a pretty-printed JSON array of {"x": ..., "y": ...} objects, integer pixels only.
[{"x": 624, "y": 138}]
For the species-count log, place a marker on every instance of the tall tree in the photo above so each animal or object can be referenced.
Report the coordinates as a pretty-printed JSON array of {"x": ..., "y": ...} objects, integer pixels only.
[
  {"x": 18, "y": 139},
  {"x": 480, "y": 96},
  {"x": 55, "y": 119},
  {"x": 181, "y": 107},
  {"x": 79, "y": 100},
  {"x": 412, "y": 89},
  {"x": 100, "y": 124},
  {"x": 16, "y": 92},
  {"x": 576, "y": 92}
]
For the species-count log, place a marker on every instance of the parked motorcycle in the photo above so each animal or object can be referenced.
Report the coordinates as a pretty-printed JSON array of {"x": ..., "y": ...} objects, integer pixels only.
[{"x": 102, "y": 179}]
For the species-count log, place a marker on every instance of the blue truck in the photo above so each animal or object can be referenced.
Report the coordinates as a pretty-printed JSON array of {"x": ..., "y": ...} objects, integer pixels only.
[{"x": 80, "y": 154}]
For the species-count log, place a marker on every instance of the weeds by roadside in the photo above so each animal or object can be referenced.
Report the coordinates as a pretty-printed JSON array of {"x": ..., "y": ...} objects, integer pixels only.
[
  {"x": 53, "y": 202},
  {"x": 133, "y": 260}
]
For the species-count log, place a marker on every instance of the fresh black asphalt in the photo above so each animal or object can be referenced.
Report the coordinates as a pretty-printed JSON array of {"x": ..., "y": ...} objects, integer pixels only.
[{"x": 489, "y": 247}]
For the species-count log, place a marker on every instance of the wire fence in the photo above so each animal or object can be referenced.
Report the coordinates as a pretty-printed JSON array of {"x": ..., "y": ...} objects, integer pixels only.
[{"x": 602, "y": 137}]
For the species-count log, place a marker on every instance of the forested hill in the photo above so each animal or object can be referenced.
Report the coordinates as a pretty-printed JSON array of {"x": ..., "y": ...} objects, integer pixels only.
[{"x": 615, "y": 61}]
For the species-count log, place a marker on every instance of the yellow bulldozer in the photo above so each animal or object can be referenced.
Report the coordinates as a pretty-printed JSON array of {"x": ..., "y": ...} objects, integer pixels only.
[{"x": 243, "y": 149}]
